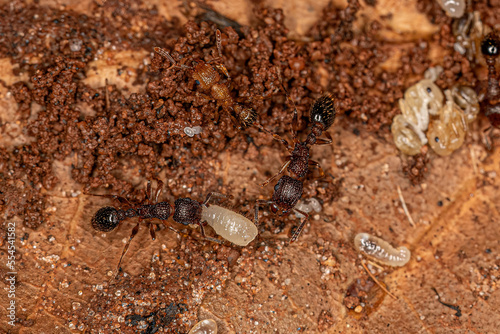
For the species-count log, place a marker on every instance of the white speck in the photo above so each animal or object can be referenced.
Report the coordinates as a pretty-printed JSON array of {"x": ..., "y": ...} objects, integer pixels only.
[{"x": 75, "y": 44}]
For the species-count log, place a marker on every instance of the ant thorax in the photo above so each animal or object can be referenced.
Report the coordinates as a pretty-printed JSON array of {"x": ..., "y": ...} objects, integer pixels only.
[{"x": 299, "y": 163}]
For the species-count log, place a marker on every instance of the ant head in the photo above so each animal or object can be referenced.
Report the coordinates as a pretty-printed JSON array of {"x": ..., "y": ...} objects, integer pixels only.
[
  {"x": 187, "y": 211},
  {"x": 106, "y": 219},
  {"x": 162, "y": 210},
  {"x": 490, "y": 45}
]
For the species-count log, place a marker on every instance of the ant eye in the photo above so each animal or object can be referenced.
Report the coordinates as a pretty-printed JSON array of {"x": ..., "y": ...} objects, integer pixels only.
[
  {"x": 429, "y": 90},
  {"x": 197, "y": 82},
  {"x": 436, "y": 139}
]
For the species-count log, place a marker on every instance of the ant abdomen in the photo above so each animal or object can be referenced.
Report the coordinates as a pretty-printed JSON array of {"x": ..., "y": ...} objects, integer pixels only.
[
  {"x": 323, "y": 111},
  {"x": 245, "y": 116},
  {"x": 107, "y": 219},
  {"x": 287, "y": 192},
  {"x": 187, "y": 211},
  {"x": 490, "y": 46}
]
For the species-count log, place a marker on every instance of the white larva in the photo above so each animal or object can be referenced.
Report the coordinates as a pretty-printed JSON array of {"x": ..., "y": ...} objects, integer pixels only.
[
  {"x": 230, "y": 225},
  {"x": 207, "y": 326},
  {"x": 381, "y": 250}
]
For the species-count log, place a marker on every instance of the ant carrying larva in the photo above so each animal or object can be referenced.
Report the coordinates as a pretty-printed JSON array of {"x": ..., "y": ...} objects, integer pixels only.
[{"x": 230, "y": 225}]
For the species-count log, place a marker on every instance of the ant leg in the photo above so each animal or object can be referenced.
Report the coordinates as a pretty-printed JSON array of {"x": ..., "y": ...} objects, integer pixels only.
[
  {"x": 282, "y": 169},
  {"x": 208, "y": 238},
  {"x": 322, "y": 141},
  {"x": 205, "y": 96},
  {"x": 149, "y": 192},
  {"x": 106, "y": 94},
  {"x": 218, "y": 40},
  {"x": 220, "y": 67},
  {"x": 295, "y": 123},
  {"x": 316, "y": 164},
  {"x": 277, "y": 137},
  {"x": 215, "y": 194},
  {"x": 295, "y": 120},
  {"x": 164, "y": 53},
  {"x": 159, "y": 189},
  {"x": 171, "y": 228},
  {"x": 120, "y": 199},
  {"x": 487, "y": 137},
  {"x": 257, "y": 203},
  {"x": 301, "y": 226},
  {"x": 127, "y": 245},
  {"x": 152, "y": 231}
]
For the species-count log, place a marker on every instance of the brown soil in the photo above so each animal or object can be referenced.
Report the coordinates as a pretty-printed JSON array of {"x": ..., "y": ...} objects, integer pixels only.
[{"x": 87, "y": 108}]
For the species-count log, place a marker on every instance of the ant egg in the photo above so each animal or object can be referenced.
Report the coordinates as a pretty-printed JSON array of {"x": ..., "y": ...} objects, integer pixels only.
[
  {"x": 230, "y": 225},
  {"x": 381, "y": 250},
  {"x": 192, "y": 131},
  {"x": 447, "y": 133},
  {"x": 405, "y": 138},
  {"x": 207, "y": 326},
  {"x": 453, "y": 8}
]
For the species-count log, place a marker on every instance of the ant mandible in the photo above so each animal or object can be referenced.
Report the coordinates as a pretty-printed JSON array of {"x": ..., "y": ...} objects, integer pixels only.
[
  {"x": 209, "y": 79},
  {"x": 230, "y": 225},
  {"x": 288, "y": 190}
]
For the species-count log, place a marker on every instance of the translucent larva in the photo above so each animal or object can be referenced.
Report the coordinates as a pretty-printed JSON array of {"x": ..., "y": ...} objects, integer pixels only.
[
  {"x": 207, "y": 326},
  {"x": 405, "y": 137},
  {"x": 447, "y": 133},
  {"x": 381, "y": 251},
  {"x": 453, "y": 8},
  {"x": 468, "y": 31},
  {"x": 230, "y": 225},
  {"x": 420, "y": 101},
  {"x": 466, "y": 98}
]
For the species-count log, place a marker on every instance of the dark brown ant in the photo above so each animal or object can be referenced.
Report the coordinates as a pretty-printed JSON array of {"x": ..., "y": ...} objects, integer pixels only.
[
  {"x": 490, "y": 48},
  {"x": 227, "y": 223},
  {"x": 288, "y": 190},
  {"x": 206, "y": 75}
]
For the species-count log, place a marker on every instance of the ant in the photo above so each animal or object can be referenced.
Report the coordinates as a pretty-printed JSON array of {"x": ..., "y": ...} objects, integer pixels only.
[
  {"x": 490, "y": 48},
  {"x": 288, "y": 190},
  {"x": 209, "y": 79},
  {"x": 227, "y": 223}
]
